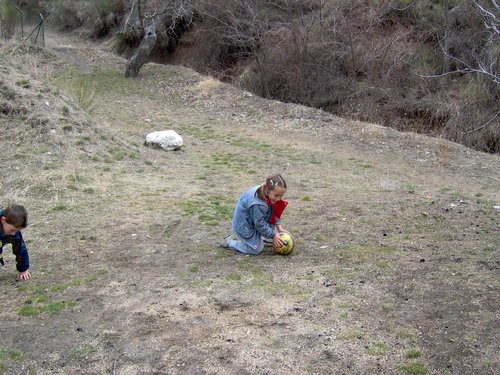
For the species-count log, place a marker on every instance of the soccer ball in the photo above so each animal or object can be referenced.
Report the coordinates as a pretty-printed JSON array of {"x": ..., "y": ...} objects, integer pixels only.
[{"x": 288, "y": 245}]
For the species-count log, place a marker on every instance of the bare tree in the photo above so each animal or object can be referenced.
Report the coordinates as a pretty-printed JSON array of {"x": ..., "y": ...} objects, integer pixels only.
[
  {"x": 355, "y": 58},
  {"x": 486, "y": 61},
  {"x": 133, "y": 23},
  {"x": 241, "y": 26},
  {"x": 490, "y": 14},
  {"x": 164, "y": 20}
]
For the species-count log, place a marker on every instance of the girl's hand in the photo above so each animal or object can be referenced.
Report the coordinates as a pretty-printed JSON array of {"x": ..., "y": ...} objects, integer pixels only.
[
  {"x": 24, "y": 275},
  {"x": 277, "y": 241}
]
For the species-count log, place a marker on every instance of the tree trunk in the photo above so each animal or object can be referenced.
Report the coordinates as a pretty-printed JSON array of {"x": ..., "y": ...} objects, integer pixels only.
[
  {"x": 446, "y": 62},
  {"x": 133, "y": 24},
  {"x": 176, "y": 13},
  {"x": 142, "y": 54}
]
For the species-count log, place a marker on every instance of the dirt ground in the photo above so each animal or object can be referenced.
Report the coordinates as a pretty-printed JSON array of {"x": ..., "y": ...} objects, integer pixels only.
[{"x": 395, "y": 269}]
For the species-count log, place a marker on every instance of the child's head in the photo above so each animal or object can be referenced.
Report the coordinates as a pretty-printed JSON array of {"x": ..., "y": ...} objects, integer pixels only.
[
  {"x": 274, "y": 188},
  {"x": 14, "y": 219}
]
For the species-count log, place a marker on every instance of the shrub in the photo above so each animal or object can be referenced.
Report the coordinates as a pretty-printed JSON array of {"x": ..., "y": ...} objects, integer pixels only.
[
  {"x": 31, "y": 10},
  {"x": 10, "y": 18},
  {"x": 98, "y": 17},
  {"x": 65, "y": 15}
]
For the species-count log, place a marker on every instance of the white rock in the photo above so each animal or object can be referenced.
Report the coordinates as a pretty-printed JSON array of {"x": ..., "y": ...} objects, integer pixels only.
[{"x": 165, "y": 139}]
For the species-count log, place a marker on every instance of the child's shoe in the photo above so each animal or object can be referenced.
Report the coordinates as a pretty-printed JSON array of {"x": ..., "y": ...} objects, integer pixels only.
[
  {"x": 225, "y": 242},
  {"x": 268, "y": 242}
]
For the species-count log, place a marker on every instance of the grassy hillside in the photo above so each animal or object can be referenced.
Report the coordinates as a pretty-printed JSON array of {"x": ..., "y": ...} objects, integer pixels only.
[
  {"x": 413, "y": 65},
  {"x": 395, "y": 272}
]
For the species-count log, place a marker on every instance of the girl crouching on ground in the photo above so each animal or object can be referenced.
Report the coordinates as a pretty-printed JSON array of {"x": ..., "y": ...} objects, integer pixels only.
[{"x": 257, "y": 217}]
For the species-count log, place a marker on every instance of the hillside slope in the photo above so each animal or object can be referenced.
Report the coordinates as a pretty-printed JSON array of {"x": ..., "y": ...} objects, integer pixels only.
[{"x": 395, "y": 272}]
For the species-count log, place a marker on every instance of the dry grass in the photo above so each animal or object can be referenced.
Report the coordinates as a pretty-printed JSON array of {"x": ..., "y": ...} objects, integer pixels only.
[{"x": 208, "y": 85}]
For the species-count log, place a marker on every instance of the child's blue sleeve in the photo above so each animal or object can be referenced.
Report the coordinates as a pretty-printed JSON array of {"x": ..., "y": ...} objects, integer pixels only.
[
  {"x": 259, "y": 216},
  {"x": 21, "y": 252}
]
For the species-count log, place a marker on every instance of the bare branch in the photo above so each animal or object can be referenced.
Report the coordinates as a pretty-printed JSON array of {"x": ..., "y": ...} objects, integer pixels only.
[
  {"x": 406, "y": 7},
  {"x": 463, "y": 71},
  {"x": 162, "y": 22},
  {"x": 490, "y": 20},
  {"x": 468, "y": 68},
  {"x": 490, "y": 121},
  {"x": 133, "y": 22}
]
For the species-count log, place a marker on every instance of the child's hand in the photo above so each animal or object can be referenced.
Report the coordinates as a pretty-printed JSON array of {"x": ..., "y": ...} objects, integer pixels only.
[
  {"x": 277, "y": 241},
  {"x": 24, "y": 275}
]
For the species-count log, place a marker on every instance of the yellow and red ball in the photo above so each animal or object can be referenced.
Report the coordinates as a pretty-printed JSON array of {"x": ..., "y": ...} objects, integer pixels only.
[{"x": 288, "y": 244}]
